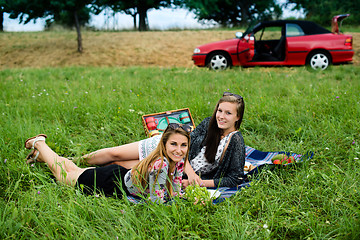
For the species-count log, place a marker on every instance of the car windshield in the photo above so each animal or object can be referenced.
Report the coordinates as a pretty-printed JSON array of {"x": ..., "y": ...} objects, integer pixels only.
[{"x": 252, "y": 25}]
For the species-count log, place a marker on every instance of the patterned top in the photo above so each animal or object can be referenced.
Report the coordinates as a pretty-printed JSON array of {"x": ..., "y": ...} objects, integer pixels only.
[
  {"x": 157, "y": 190},
  {"x": 201, "y": 165},
  {"x": 146, "y": 146}
]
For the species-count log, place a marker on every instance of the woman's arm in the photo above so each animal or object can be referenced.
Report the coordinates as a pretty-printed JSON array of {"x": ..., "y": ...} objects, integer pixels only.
[
  {"x": 197, "y": 137},
  {"x": 193, "y": 178}
]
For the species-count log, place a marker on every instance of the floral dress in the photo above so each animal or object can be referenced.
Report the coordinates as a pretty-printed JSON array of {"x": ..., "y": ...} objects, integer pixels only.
[{"x": 157, "y": 190}]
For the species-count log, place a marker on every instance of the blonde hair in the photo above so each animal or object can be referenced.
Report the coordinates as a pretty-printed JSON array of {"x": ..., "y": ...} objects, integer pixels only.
[{"x": 140, "y": 173}]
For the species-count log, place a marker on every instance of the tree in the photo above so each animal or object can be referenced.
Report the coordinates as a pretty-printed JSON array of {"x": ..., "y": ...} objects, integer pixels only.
[
  {"x": 2, "y": 9},
  {"x": 321, "y": 11},
  {"x": 233, "y": 12},
  {"x": 28, "y": 10},
  {"x": 5, "y": 6},
  {"x": 134, "y": 8}
]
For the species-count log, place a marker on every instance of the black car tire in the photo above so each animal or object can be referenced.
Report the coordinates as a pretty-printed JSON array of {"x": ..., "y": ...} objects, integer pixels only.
[
  {"x": 319, "y": 60},
  {"x": 219, "y": 61}
]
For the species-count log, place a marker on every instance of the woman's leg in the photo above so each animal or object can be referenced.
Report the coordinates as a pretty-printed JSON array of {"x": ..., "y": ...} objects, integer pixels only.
[
  {"x": 124, "y": 155},
  {"x": 64, "y": 170}
]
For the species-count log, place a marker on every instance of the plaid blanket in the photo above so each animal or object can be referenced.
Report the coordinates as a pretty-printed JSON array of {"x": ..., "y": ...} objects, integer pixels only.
[{"x": 254, "y": 157}]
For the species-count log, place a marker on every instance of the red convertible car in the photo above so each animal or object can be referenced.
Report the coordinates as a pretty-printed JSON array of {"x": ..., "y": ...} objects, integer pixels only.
[{"x": 279, "y": 43}]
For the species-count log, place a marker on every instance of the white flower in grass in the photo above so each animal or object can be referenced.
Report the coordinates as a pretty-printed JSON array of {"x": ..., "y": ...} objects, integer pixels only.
[
  {"x": 265, "y": 226},
  {"x": 327, "y": 148},
  {"x": 131, "y": 110},
  {"x": 356, "y": 158}
]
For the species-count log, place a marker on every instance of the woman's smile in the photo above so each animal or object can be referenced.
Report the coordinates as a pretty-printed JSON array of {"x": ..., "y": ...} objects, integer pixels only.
[
  {"x": 176, "y": 147},
  {"x": 226, "y": 116}
]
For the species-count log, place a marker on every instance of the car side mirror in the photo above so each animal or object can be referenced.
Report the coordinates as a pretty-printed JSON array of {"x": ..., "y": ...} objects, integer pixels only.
[{"x": 238, "y": 34}]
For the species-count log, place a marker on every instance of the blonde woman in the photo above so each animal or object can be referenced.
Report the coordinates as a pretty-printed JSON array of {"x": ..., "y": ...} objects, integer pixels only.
[{"x": 158, "y": 176}]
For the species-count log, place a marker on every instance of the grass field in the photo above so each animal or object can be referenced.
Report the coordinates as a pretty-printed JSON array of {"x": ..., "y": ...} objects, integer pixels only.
[{"x": 82, "y": 109}]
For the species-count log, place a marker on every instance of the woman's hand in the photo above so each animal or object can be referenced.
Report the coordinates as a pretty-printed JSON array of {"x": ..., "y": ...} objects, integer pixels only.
[
  {"x": 185, "y": 183},
  {"x": 194, "y": 179}
]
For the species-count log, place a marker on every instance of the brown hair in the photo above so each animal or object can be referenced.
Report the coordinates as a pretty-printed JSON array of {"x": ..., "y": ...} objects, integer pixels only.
[{"x": 213, "y": 137}]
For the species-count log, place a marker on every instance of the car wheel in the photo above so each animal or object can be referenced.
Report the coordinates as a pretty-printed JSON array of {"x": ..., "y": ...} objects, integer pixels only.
[
  {"x": 218, "y": 61},
  {"x": 319, "y": 60}
]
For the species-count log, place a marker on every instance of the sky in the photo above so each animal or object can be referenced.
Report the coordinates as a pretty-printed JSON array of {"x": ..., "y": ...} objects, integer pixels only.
[{"x": 158, "y": 19}]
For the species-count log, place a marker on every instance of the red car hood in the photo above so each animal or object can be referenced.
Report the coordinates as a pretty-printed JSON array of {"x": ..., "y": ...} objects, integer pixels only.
[{"x": 220, "y": 45}]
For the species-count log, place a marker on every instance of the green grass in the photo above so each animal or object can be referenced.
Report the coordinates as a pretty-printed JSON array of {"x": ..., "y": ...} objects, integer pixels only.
[{"x": 84, "y": 109}]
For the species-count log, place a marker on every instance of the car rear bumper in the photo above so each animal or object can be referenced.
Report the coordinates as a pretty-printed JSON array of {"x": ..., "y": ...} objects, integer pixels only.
[
  {"x": 199, "y": 59},
  {"x": 339, "y": 56}
]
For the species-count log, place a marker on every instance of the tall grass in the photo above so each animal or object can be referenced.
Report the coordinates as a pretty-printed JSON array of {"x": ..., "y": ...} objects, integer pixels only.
[{"x": 84, "y": 109}]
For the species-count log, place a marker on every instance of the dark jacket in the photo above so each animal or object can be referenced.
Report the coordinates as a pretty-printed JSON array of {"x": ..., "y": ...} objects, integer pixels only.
[{"x": 230, "y": 173}]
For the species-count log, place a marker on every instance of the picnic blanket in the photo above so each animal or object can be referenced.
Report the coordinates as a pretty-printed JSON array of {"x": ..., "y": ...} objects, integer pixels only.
[{"x": 256, "y": 158}]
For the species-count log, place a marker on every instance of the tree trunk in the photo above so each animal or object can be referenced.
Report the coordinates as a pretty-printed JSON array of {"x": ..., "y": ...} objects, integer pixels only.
[
  {"x": 142, "y": 18},
  {"x": 1, "y": 21},
  {"x": 134, "y": 18},
  {"x": 243, "y": 15},
  {"x": 77, "y": 26}
]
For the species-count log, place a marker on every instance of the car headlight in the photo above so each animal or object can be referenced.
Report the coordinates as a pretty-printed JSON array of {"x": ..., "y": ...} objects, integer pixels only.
[{"x": 196, "y": 50}]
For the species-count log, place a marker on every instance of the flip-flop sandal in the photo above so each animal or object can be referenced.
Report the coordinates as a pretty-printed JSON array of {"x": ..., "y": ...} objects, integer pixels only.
[
  {"x": 30, "y": 157},
  {"x": 40, "y": 137}
]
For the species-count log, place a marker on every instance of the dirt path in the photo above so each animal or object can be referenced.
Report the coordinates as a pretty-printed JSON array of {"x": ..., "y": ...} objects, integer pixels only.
[{"x": 58, "y": 49}]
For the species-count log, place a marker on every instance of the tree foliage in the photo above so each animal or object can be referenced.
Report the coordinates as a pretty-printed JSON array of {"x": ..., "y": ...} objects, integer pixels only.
[
  {"x": 69, "y": 12},
  {"x": 233, "y": 12},
  {"x": 321, "y": 11},
  {"x": 134, "y": 8}
]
